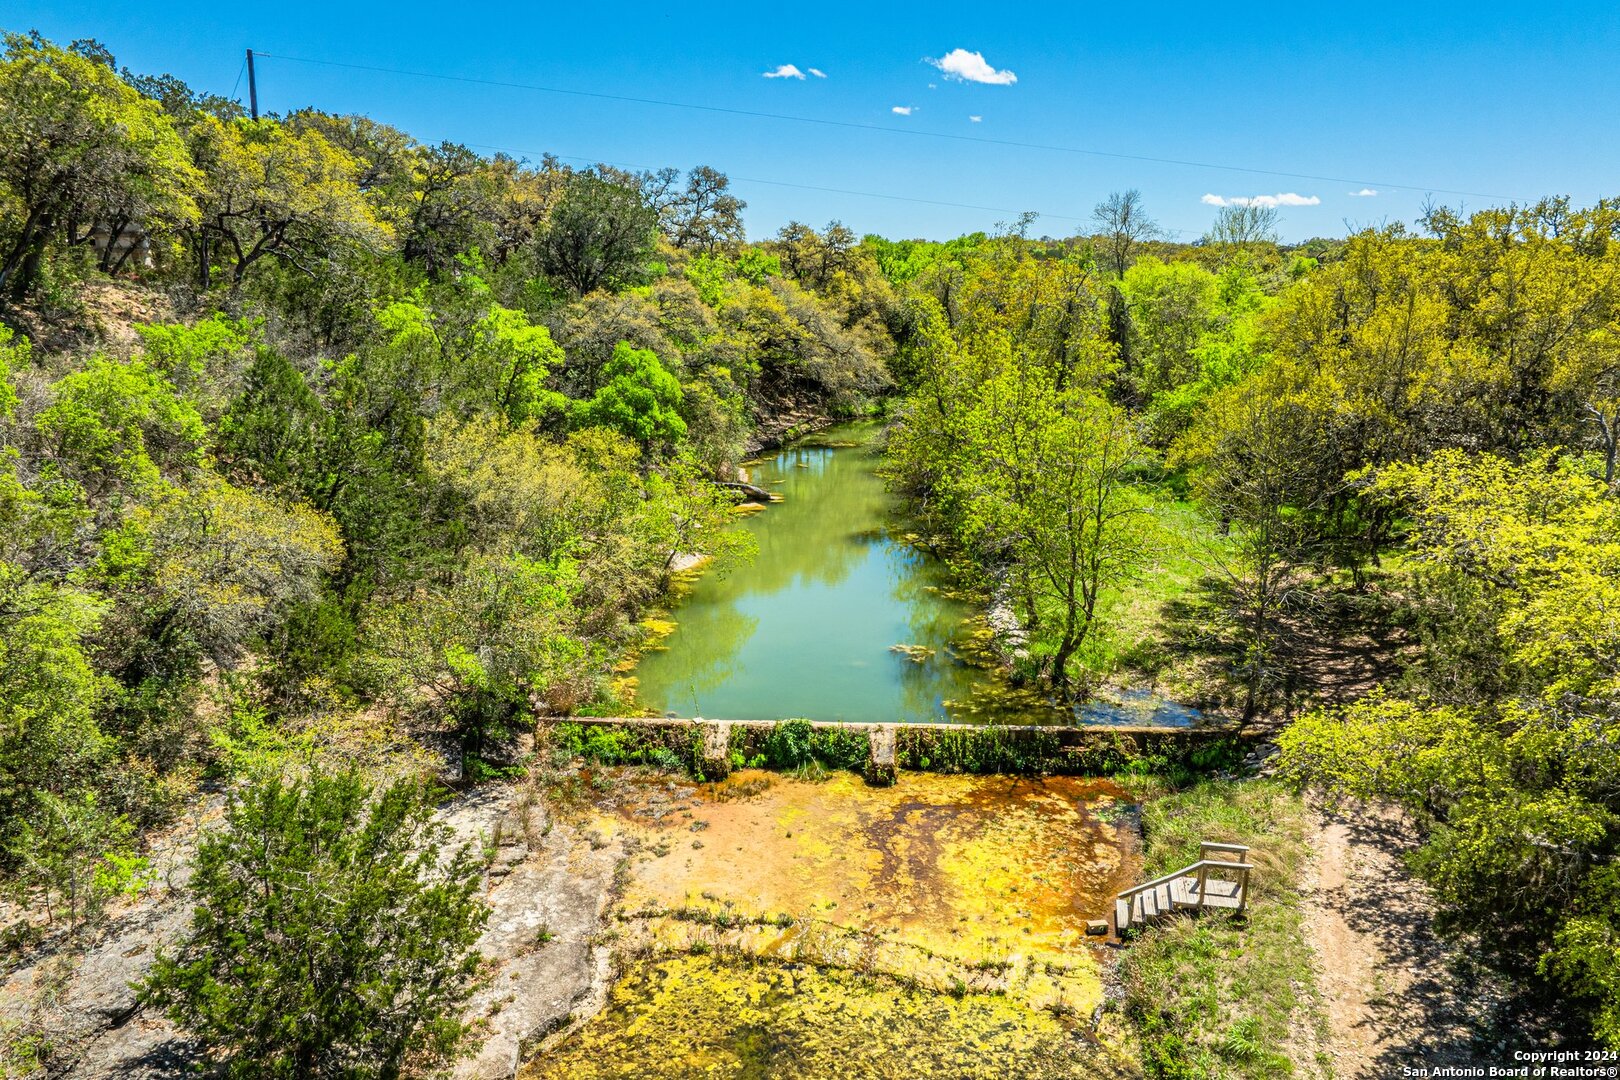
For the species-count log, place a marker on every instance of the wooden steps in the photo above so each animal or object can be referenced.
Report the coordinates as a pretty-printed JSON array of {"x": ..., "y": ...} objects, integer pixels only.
[{"x": 1198, "y": 887}]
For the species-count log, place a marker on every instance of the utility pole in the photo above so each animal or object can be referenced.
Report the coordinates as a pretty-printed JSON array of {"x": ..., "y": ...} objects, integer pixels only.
[{"x": 253, "y": 89}]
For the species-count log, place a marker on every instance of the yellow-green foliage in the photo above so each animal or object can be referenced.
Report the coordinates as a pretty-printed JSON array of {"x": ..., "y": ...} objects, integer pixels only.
[
  {"x": 1010, "y": 437},
  {"x": 82, "y": 145},
  {"x": 1510, "y": 751},
  {"x": 270, "y": 188}
]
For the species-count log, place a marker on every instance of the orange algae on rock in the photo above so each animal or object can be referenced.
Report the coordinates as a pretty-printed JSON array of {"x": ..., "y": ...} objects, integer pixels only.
[
  {"x": 962, "y": 865},
  {"x": 943, "y": 916}
]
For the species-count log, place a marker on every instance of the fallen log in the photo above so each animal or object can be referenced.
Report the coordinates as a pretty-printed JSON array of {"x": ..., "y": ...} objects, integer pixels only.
[{"x": 750, "y": 492}]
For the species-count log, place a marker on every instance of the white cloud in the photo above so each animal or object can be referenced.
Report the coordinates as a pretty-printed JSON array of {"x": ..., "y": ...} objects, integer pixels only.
[
  {"x": 967, "y": 66},
  {"x": 786, "y": 71},
  {"x": 818, "y": 73},
  {"x": 1287, "y": 199},
  {"x": 902, "y": 110},
  {"x": 976, "y": 119},
  {"x": 1364, "y": 193},
  {"x": 1282, "y": 198}
]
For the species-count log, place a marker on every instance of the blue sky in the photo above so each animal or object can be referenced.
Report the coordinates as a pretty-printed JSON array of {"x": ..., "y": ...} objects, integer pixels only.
[{"x": 1404, "y": 99}]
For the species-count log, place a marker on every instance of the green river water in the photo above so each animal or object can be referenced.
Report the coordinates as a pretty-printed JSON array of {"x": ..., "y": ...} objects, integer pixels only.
[{"x": 809, "y": 628}]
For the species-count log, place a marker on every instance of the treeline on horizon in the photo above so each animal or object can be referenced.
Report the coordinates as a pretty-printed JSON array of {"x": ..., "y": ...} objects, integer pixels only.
[{"x": 414, "y": 435}]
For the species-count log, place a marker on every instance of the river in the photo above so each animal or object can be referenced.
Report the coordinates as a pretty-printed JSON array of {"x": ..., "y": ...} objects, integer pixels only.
[{"x": 840, "y": 617}]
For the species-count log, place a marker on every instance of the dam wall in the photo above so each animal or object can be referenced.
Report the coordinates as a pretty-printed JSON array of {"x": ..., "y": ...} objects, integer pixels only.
[{"x": 713, "y": 748}]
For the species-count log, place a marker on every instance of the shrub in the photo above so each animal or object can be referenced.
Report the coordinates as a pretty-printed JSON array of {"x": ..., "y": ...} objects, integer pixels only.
[
  {"x": 330, "y": 937},
  {"x": 789, "y": 745}
]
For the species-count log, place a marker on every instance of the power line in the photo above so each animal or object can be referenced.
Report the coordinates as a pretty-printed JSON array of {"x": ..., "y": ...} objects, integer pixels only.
[
  {"x": 786, "y": 184},
  {"x": 755, "y": 179},
  {"x": 810, "y": 187},
  {"x": 235, "y": 85},
  {"x": 856, "y": 125}
]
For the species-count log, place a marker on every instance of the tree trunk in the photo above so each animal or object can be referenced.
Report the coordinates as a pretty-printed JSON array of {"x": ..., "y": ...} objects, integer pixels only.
[
  {"x": 123, "y": 258},
  {"x": 203, "y": 258},
  {"x": 25, "y": 254},
  {"x": 1060, "y": 668},
  {"x": 1119, "y": 332},
  {"x": 115, "y": 231},
  {"x": 1611, "y": 444},
  {"x": 32, "y": 265}
]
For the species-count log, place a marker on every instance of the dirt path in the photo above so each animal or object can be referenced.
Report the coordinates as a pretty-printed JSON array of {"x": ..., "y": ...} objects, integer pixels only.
[
  {"x": 1395, "y": 994},
  {"x": 1350, "y": 964}
]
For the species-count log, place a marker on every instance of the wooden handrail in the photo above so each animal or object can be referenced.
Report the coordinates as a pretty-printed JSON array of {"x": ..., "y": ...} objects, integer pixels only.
[{"x": 1186, "y": 871}]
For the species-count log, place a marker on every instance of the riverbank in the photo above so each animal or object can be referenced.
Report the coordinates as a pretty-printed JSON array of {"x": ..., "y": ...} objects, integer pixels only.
[
  {"x": 1228, "y": 997},
  {"x": 848, "y": 614},
  {"x": 837, "y": 617}
]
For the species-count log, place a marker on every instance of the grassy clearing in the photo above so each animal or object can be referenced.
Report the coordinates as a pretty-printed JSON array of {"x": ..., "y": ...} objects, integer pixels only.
[
  {"x": 1133, "y": 623},
  {"x": 1216, "y": 996}
]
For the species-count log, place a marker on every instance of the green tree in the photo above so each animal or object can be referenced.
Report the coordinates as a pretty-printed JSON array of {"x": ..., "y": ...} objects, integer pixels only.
[
  {"x": 453, "y": 195},
  {"x": 469, "y": 356},
  {"x": 639, "y": 398},
  {"x": 273, "y": 190},
  {"x": 333, "y": 935},
  {"x": 801, "y": 347},
  {"x": 72, "y": 854},
  {"x": 272, "y": 431},
  {"x": 705, "y": 216},
  {"x": 1507, "y": 745},
  {"x": 224, "y": 566},
  {"x": 82, "y": 149},
  {"x": 693, "y": 518},
  {"x": 1123, "y": 226},
  {"x": 1243, "y": 225},
  {"x": 483, "y": 645},
  {"x": 205, "y": 361},
  {"x": 1257, "y": 468},
  {"x": 1590, "y": 373},
  {"x": 599, "y": 236},
  {"x": 119, "y": 426},
  {"x": 52, "y": 698},
  {"x": 1046, "y": 489},
  {"x": 1171, "y": 307}
]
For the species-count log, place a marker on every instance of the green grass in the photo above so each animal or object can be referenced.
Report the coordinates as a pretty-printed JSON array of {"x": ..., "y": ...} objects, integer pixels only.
[
  {"x": 1132, "y": 625},
  {"x": 1218, "y": 996}
]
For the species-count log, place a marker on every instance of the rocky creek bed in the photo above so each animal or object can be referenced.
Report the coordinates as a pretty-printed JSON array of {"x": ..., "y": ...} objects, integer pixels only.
[
  {"x": 645, "y": 924},
  {"x": 788, "y": 927}
]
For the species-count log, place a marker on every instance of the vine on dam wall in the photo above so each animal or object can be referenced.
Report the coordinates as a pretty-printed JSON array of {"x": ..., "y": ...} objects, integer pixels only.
[{"x": 710, "y": 749}]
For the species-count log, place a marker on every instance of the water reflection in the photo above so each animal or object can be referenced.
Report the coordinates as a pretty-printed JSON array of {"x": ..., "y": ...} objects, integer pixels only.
[{"x": 838, "y": 618}]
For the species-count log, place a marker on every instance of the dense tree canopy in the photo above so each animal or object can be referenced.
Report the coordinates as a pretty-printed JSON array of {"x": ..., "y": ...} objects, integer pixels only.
[
  {"x": 601, "y": 234},
  {"x": 417, "y": 431},
  {"x": 412, "y": 438},
  {"x": 83, "y": 148}
]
